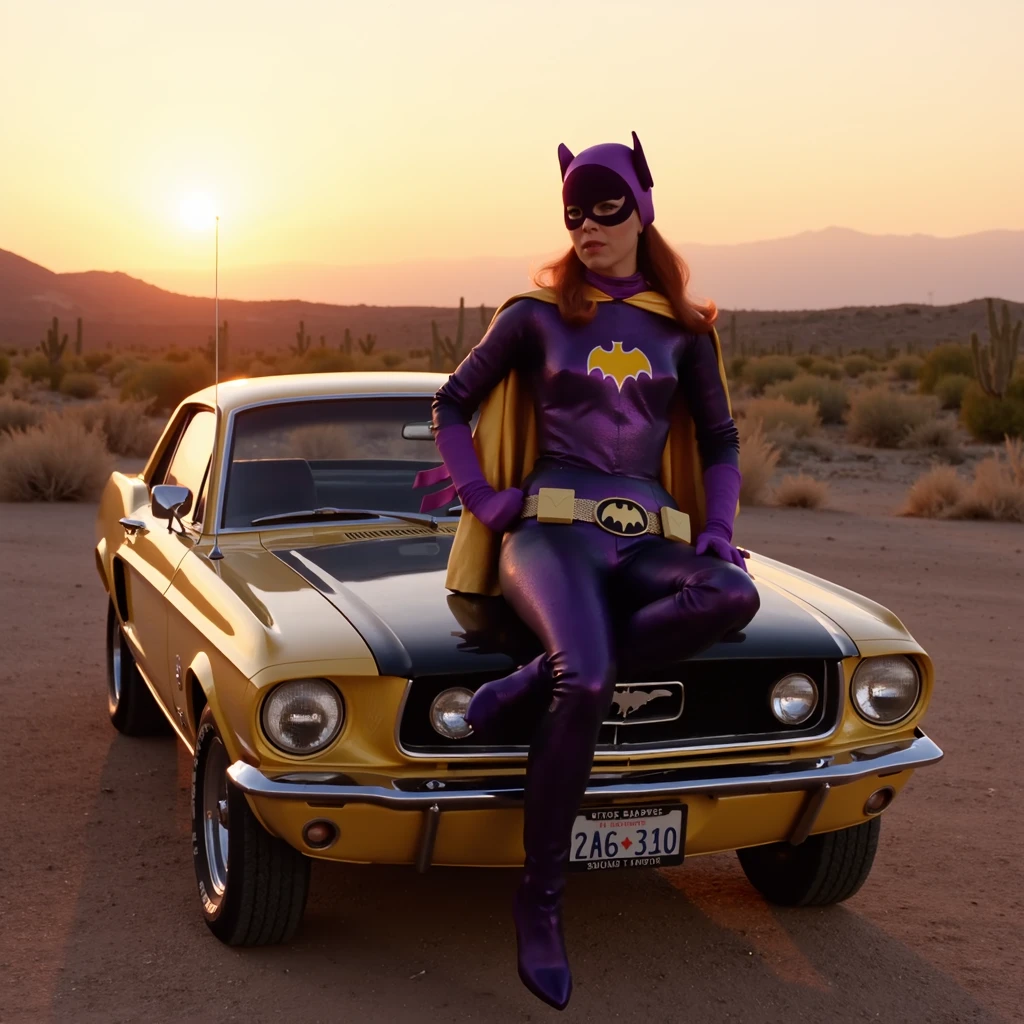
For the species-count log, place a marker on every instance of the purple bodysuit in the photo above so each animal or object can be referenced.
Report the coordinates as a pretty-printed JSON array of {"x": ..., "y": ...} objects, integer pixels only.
[{"x": 605, "y": 607}]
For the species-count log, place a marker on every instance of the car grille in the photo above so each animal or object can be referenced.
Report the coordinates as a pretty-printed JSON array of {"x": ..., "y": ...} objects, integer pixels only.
[{"x": 725, "y": 702}]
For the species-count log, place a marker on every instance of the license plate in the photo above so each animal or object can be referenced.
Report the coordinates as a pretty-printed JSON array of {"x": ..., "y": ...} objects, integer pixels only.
[{"x": 628, "y": 837}]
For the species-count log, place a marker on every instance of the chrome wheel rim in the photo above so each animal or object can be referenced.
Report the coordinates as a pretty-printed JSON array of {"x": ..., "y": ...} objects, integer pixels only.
[
  {"x": 215, "y": 815},
  {"x": 114, "y": 680}
]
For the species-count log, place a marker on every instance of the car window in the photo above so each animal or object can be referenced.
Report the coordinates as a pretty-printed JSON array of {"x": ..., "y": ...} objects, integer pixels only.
[
  {"x": 191, "y": 457},
  {"x": 352, "y": 453}
]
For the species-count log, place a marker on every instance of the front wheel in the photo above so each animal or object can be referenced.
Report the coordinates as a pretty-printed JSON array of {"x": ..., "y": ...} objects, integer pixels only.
[
  {"x": 823, "y": 869},
  {"x": 252, "y": 885}
]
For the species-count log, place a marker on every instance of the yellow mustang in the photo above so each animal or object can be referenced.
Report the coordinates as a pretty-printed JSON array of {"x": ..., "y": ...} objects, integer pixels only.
[{"x": 275, "y": 596}]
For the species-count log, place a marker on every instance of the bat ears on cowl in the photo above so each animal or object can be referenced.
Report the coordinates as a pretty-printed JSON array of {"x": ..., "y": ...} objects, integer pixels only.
[
  {"x": 643, "y": 172},
  {"x": 565, "y": 157}
]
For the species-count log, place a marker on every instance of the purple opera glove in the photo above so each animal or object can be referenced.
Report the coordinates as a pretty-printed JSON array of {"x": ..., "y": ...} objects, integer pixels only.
[
  {"x": 497, "y": 510},
  {"x": 721, "y": 492}
]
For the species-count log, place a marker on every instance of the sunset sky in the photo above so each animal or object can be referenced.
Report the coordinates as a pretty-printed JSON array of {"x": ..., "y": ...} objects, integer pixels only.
[{"x": 340, "y": 133}]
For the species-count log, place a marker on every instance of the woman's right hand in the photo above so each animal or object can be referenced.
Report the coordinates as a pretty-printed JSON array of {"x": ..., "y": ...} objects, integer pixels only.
[{"x": 497, "y": 510}]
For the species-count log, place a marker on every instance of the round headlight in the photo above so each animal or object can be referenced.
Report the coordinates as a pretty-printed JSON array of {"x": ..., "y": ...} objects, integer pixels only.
[
  {"x": 303, "y": 716},
  {"x": 885, "y": 689},
  {"x": 448, "y": 713},
  {"x": 794, "y": 698}
]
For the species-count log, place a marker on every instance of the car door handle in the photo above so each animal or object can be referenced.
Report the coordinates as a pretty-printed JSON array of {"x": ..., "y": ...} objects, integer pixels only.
[{"x": 132, "y": 526}]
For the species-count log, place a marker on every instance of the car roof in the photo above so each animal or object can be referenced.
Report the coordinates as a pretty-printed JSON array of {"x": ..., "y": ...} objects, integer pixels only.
[{"x": 233, "y": 394}]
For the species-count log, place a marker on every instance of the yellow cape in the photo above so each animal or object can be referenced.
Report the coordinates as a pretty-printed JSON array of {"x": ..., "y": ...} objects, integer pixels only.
[{"x": 506, "y": 443}]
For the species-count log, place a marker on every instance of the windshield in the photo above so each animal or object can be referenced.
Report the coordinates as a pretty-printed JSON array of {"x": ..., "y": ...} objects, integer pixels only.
[{"x": 360, "y": 453}]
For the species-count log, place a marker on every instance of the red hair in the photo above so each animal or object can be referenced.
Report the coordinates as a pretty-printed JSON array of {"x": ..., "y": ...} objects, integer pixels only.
[{"x": 660, "y": 264}]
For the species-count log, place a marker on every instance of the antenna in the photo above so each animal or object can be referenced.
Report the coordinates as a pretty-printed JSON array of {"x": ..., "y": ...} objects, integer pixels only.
[{"x": 216, "y": 553}]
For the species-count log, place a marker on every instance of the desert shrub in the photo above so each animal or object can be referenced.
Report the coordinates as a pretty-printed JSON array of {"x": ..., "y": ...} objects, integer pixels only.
[
  {"x": 79, "y": 385},
  {"x": 258, "y": 368},
  {"x": 322, "y": 360},
  {"x": 127, "y": 427},
  {"x": 805, "y": 362},
  {"x": 826, "y": 368},
  {"x": 166, "y": 384},
  {"x": 933, "y": 433},
  {"x": 17, "y": 415},
  {"x": 5, "y": 367},
  {"x": 94, "y": 360},
  {"x": 392, "y": 360},
  {"x": 734, "y": 367},
  {"x": 35, "y": 367},
  {"x": 177, "y": 355},
  {"x": 997, "y": 490},
  {"x": 854, "y": 366},
  {"x": 802, "y": 420},
  {"x": 907, "y": 367},
  {"x": 882, "y": 417},
  {"x": 58, "y": 460},
  {"x": 943, "y": 360},
  {"x": 991, "y": 419},
  {"x": 935, "y": 493},
  {"x": 801, "y": 491},
  {"x": 764, "y": 370},
  {"x": 758, "y": 459},
  {"x": 830, "y": 396},
  {"x": 950, "y": 389},
  {"x": 117, "y": 368},
  {"x": 872, "y": 378}
]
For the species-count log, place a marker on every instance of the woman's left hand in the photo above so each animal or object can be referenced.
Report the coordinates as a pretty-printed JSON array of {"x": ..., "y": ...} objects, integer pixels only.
[{"x": 721, "y": 548}]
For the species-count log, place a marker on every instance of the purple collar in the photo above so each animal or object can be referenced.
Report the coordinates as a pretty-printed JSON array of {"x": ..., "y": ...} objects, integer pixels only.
[{"x": 617, "y": 287}]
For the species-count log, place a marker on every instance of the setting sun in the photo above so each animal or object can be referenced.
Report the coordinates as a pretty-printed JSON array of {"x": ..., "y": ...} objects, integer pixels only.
[{"x": 197, "y": 211}]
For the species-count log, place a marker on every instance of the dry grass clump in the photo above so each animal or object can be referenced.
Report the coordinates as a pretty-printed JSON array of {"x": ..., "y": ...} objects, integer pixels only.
[
  {"x": 825, "y": 368},
  {"x": 950, "y": 389},
  {"x": 932, "y": 434},
  {"x": 127, "y": 427},
  {"x": 830, "y": 396},
  {"x": 79, "y": 385},
  {"x": 995, "y": 492},
  {"x": 906, "y": 367},
  {"x": 758, "y": 459},
  {"x": 883, "y": 418},
  {"x": 801, "y": 491},
  {"x": 856, "y": 365},
  {"x": 776, "y": 413},
  {"x": 58, "y": 460},
  {"x": 17, "y": 415},
  {"x": 935, "y": 493},
  {"x": 761, "y": 371}
]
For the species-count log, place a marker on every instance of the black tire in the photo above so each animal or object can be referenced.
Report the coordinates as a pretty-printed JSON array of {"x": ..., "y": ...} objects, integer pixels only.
[
  {"x": 133, "y": 709},
  {"x": 254, "y": 895},
  {"x": 824, "y": 869}
]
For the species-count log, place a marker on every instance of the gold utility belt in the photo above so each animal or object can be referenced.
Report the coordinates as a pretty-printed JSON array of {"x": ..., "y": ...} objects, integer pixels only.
[{"x": 620, "y": 516}]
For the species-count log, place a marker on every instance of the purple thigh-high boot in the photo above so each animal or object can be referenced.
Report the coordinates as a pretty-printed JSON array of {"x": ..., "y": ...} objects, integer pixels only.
[
  {"x": 492, "y": 700},
  {"x": 554, "y": 578}
]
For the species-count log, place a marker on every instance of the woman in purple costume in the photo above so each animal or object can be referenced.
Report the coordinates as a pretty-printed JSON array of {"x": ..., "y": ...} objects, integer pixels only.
[{"x": 601, "y": 432}]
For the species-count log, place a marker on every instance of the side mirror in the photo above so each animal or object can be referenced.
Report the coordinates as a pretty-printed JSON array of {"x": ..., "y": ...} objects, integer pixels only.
[
  {"x": 169, "y": 501},
  {"x": 417, "y": 432}
]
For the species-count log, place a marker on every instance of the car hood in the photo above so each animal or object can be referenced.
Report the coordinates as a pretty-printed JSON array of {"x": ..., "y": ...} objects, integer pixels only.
[{"x": 392, "y": 591}]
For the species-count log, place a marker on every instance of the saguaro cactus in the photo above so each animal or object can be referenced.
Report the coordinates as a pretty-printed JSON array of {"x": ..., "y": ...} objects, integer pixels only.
[
  {"x": 994, "y": 366},
  {"x": 366, "y": 344},
  {"x": 211, "y": 352},
  {"x": 53, "y": 349},
  {"x": 446, "y": 354},
  {"x": 302, "y": 340},
  {"x": 78, "y": 337},
  {"x": 346, "y": 345}
]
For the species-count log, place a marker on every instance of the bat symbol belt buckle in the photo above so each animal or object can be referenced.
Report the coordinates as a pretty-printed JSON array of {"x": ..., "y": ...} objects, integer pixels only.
[{"x": 621, "y": 516}]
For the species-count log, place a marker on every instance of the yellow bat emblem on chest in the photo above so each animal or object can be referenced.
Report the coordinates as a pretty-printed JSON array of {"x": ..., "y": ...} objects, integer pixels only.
[{"x": 618, "y": 364}]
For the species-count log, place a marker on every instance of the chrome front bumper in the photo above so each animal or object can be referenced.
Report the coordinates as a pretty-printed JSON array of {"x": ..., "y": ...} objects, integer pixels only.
[{"x": 433, "y": 796}]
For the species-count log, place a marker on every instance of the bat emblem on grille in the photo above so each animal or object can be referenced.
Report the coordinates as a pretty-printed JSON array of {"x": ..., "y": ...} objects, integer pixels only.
[
  {"x": 618, "y": 364},
  {"x": 632, "y": 700}
]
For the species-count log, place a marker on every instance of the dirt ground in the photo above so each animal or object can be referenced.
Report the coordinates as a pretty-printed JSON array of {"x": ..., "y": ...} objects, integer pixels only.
[{"x": 99, "y": 917}]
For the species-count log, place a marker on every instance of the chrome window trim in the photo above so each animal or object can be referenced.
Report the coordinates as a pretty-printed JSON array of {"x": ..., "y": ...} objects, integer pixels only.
[
  {"x": 229, "y": 437},
  {"x": 616, "y": 753}
]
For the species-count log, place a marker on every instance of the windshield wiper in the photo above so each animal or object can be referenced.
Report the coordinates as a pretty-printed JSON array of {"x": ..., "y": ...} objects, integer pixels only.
[{"x": 330, "y": 512}]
